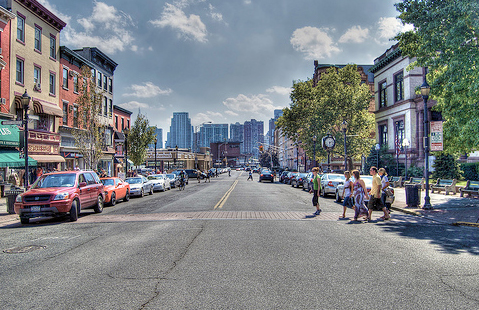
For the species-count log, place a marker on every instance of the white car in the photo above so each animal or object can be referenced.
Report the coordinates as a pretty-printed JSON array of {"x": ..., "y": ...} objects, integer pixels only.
[
  {"x": 160, "y": 182},
  {"x": 139, "y": 186}
]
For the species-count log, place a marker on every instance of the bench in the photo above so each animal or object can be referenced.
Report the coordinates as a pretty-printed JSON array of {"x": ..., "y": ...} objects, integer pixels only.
[
  {"x": 444, "y": 185},
  {"x": 414, "y": 181},
  {"x": 471, "y": 189},
  {"x": 395, "y": 181}
]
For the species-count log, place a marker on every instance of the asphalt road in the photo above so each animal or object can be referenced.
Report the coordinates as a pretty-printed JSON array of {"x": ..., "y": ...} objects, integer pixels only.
[{"x": 236, "y": 244}]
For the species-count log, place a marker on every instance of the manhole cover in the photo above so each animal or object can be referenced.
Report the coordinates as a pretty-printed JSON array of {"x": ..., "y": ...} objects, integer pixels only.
[{"x": 24, "y": 249}]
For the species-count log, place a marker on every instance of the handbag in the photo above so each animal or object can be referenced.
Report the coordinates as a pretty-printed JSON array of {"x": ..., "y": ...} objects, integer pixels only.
[{"x": 389, "y": 192}]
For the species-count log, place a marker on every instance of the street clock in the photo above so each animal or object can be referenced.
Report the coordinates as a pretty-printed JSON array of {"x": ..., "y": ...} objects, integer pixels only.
[{"x": 328, "y": 142}]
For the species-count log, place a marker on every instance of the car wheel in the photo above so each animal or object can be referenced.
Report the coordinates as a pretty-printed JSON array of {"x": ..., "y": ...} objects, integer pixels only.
[
  {"x": 322, "y": 193},
  {"x": 151, "y": 190},
  {"x": 127, "y": 196},
  {"x": 74, "y": 211},
  {"x": 142, "y": 193},
  {"x": 113, "y": 199},
  {"x": 338, "y": 199},
  {"x": 24, "y": 220},
  {"x": 99, "y": 204}
]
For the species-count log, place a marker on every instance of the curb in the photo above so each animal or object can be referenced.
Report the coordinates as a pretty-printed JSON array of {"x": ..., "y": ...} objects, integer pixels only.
[{"x": 465, "y": 224}]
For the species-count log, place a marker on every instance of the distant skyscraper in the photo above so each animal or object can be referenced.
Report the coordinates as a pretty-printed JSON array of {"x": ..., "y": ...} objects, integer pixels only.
[
  {"x": 212, "y": 133},
  {"x": 159, "y": 138},
  {"x": 237, "y": 135},
  {"x": 272, "y": 125},
  {"x": 181, "y": 131},
  {"x": 253, "y": 133}
]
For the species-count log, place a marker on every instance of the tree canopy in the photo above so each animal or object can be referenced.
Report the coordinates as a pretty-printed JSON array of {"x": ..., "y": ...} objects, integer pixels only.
[
  {"x": 140, "y": 135},
  {"x": 445, "y": 39},
  {"x": 315, "y": 111}
]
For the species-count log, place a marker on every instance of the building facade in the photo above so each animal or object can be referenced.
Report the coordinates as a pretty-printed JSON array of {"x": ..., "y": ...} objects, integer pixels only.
[
  {"x": 237, "y": 134},
  {"x": 181, "y": 131},
  {"x": 210, "y": 133},
  {"x": 121, "y": 122},
  {"x": 253, "y": 135}
]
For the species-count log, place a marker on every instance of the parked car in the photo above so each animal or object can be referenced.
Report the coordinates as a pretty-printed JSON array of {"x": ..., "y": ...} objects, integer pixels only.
[
  {"x": 368, "y": 181},
  {"x": 282, "y": 176},
  {"x": 160, "y": 182},
  {"x": 329, "y": 182},
  {"x": 115, "y": 189},
  {"x": 266, "y": 175},
  {"x": 174, "y": 180},
  {"x": 60, "y": 193},
  {"x": 289, "y": 177},
  {"x": 308, "y": 181},
  {"x": 139, "y": 186},
  {"x": 297, "y": 181}
]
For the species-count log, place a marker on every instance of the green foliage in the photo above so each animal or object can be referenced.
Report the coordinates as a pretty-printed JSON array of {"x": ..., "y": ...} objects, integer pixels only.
[
  {"x": 265, "y": 159},
  {"x": 446, "y": 167},
  {"x": 470, "y": 171},
  {"x": 415, "y": 172},
  {"x": 445, "y": 39},
  {"x": 386, "y": 160},
  {"x": 90, "y": 134},
  {"x": 141, "y": 134},
  {"x": 316, "y": 111}
]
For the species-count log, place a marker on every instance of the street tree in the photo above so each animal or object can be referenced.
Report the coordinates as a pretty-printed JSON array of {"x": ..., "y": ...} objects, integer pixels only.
[
  {"x": 90, "y": 132},
  {"x": 445, "y": 39},
  {"x": 141, "y": 134},
  {"x": 316, "y": 111}
]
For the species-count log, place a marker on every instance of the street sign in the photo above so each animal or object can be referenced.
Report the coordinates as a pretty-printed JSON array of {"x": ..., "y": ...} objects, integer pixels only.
[
  {"x": 436, "y": 136},
  {"x": 12, "y": 122}
]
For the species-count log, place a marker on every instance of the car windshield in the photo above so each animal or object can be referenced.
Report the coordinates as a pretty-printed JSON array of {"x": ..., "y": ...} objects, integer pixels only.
[
  {"x": 108, "y": 182},
  {"x": 134, "y": 181},
  {"x": 56, "y": 180},
  {"x": 155, "y": 177},
  {"x": 338, "y": 177},
  {"x": 171, "y": 176}
]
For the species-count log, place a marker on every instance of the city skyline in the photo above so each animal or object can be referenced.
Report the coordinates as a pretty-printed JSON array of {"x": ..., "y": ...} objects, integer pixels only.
[{"x": 222, "y": 62}]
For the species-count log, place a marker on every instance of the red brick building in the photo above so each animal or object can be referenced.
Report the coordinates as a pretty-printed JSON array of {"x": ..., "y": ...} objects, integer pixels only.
[{"x": 121, "y": 121}]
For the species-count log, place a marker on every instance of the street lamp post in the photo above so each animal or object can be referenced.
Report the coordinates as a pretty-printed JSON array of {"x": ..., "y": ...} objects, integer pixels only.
[
  {"x": 26, "y": 105},
  {"x": 425, "y": 90},
  {"x": 405, "y": 144},
  {"x": 156, "y": 141},
  {"x": 126, "y": 131},
  {"x": 314, "y": 150},
  {"x": 377, "y": 148},
  {"x": 344, "y": 128}
]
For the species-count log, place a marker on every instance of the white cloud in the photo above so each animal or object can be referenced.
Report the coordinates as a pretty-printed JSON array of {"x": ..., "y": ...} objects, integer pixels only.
[
  {"x": 147, "y": 90},
  {"x": 214, "y": 14},
  {"x": 209, "y": 116},
  {"x": 355, "y": 34},
  {"x": 189, "y": 27},
  {"x": 134, "y": 105},
  {"x": 285, "y": 91},
  {"x": 113, "y": 25},
  {"x": 231, "y": 113},
  {"x": 315, "y": 43},
  {"x": 389, "y": 27},
  {"x": 247, "y": 1},
  {"x": 258, "y": 104}
]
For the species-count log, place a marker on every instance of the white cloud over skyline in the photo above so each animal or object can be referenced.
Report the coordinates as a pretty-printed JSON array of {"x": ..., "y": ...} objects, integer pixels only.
[{"x": 148, "y": 90}]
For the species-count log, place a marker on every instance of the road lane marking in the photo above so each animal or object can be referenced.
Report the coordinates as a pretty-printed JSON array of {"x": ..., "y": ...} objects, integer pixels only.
[{"x": 223, "y": 199}]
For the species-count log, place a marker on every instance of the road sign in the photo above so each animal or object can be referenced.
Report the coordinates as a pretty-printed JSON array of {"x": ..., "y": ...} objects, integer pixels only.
[{"x": 12, "y": 122}]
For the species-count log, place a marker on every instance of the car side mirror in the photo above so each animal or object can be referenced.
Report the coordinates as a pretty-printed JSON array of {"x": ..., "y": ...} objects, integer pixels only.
[{"x": 82, "y": 184}]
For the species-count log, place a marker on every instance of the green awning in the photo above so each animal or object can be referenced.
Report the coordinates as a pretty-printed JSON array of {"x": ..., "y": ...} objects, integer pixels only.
[
  {"x": 11, "y": 159},
  {"x": 9, "y": 135}
]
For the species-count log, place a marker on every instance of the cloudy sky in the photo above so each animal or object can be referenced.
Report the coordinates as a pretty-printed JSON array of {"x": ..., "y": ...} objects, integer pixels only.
[{"x": 223, "y": 61}]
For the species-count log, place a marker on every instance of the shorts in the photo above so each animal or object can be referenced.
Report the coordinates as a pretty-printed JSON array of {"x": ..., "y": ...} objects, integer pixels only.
[
  {"x": 348, "y": 202},
  {"x": 375, "y": 204}
]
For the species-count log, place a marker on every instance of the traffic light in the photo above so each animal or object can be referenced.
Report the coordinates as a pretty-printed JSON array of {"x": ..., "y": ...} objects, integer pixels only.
[{"x": 261, "y": 148}]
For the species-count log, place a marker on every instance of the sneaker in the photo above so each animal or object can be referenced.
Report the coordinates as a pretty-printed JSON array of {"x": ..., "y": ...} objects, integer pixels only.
[{"x": 318, "y": 212}]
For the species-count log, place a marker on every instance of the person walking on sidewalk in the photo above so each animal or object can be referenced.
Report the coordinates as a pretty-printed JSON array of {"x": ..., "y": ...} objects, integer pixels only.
[
  {"x": 374, "y": 203},
  {"x": 384, "y": 185},
  {"x": 250, "y": 176},
  {"x": 360, "y": 193},
  {"x": 315, "y": 191},
  {"x": 347, "y": 190}
]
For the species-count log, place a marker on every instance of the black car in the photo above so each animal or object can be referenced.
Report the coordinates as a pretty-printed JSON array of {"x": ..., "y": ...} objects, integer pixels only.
[
  {"x": 297, "y": 181},
  {"x": 266, "y": 175}
]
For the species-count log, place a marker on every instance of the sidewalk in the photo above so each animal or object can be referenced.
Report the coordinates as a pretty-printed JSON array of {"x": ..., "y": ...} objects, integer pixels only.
[{"x": 451, "y": 209}]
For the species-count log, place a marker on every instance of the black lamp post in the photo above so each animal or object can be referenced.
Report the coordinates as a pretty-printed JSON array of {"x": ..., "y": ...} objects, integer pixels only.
[
  {"x": 156, "y": 141},
  {"x": 314, "y": 151},
  {"x": 26, "y": 105},
  {"x": 344, "y": 128},
  {"x": 425, "y": 90},
  {"x": 377, "y": 148},
  {"x": 176, "y": 156},
  {"x": 126, "y": 131}
]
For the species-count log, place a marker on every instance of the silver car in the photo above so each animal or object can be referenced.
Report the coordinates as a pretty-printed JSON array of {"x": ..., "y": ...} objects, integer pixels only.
[
  {"x": 368, "y": 181},
  {"x": 160, "y": 182},
  {"x": 329, "y": 182},
  {"x": 139, "y": 186}
]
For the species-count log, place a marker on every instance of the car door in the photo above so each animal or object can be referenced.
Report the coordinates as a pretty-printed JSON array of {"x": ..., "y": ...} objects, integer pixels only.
[
  {"x": 92, "y": 186},
  {"x": 120, "y": 189},
  {"x": 85, "y": 195}
]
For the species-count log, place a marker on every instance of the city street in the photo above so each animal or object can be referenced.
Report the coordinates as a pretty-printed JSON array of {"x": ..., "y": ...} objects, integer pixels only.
[{"x": 236, "y": 244}]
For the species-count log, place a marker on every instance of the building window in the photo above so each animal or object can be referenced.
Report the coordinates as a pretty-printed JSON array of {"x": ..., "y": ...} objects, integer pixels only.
[
  {"x": 399, "y": 126},
  {"x": 116, "y": 122},
  {"x": 53, "y": 47},
  {"x": 105, "y": 82},
  {"x": 20, "y": 67},
  {"x": 99, "y": 79},
  {"x": 52, "y": 84},
  {"x": 122, "y": 123},
  {"x": 75, "y": 116},
  {"x": 383, "y": 97},
  {"x": 65, "y": 114},
  {"x": 110, "y": 85},
  {"x": 20, "y": 28},
  {"x": 399, "y": 86},
  {"x": 383, "y": 134},
  {"x": 38, "y": 38},
  {"x": 37, "y": 73},
  {"x": 105, "y": 106},
  {"x": 110, "y": 107},
  {"x": 65, "y": 78},
  {"x": 75, "y": 83}
]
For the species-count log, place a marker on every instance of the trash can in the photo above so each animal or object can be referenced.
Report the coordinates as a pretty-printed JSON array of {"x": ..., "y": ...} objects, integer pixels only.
[
  {"x": 11, "y": 196},
  {"x": 413, "y": 195}
]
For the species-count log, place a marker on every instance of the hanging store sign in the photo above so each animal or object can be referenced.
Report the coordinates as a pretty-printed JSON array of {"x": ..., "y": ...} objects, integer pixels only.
[{"x": 436, "y": 137}]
